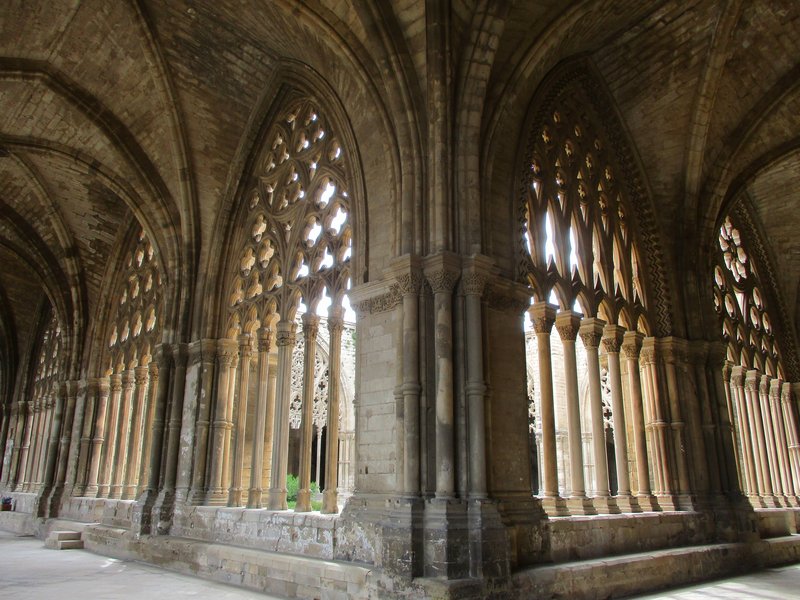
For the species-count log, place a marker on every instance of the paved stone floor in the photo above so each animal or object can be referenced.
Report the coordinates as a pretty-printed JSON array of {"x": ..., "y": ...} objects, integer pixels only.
[
  {"x": 781, "y": 583},
  {"x": 29, "y": 571}
]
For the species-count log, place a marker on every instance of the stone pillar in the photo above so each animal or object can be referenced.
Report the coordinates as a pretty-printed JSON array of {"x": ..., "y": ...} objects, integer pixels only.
[
  {"x": 612, "y": 341},
  {"x": 567, "y": 324},
  {"x": 85, "y": 442},
  {"x": 542, "y": 316},
  {"x": 792, "y": 437},
  {"x": 221, "y": 427},
  {"x": 227, "y": 455},
  {"x": 330, "y": 493},
  {"x": 677, "y": 425},
  {"x": 103, "y": 389},
  {"x": 591, "y": 331},
  {"x": 196, "y": 422},
  {"x": 142, "y": 379},
  {"x": 240, "y": 427},
  {"x": 707, "y": 407},
  {"x": 410, "y": 285},
  {"x": 24, "y": 449},
  {"x": 781, "y": 444},
  {"x": 123, "y": 425},
  {"x": 110, "y": 446},
  {"x": 280, "y": 431},
  {"x": 50, "y": 476},
  {"x": 442, "y": 276},
  {"x": 262, "y": 420},
  {"x": 473, "y": 284},
  {"x": 310, "y": 328},
  {"x": 631, "y": 347},
  {"x": 153, "y": 427},
  {"x": 769, "y": 436},
  {"x": 749, "y": 476},
  {"x": 165, "y": 471},
  {"x": 751, "y": 383},
  {"x": 656, "y": 425},
  {"x": 730, "y": 453}
]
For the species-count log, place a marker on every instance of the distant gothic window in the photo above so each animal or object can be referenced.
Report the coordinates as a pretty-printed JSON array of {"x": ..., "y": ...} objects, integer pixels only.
[
  {"x": 578, "y": 243},
  {"x": 136, "y": 315},
  {"x": 298, "y": 233},
  {"x": 746, "y": 325}
]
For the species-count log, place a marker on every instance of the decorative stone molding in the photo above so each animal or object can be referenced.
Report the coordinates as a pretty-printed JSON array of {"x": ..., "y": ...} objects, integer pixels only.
[
  {"x": 542, "y": 316},
  {"x": 612, "y": 338},
  {"x": 473, "y": 283},
  {"x": 568, "y": 324},
  {"x": 632, "y": 344},
  {"x": 591, "y": 332}
]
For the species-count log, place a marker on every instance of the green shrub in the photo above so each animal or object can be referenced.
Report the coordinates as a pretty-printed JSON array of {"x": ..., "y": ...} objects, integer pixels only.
[{"x": 292, "y": 485}]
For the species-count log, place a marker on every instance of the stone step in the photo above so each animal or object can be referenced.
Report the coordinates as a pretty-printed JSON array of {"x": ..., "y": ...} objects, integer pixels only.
[
  {"x": 276, "y": 573},
  {"x": 628, "y": 574},
  {"x": 64, "y": 540}
]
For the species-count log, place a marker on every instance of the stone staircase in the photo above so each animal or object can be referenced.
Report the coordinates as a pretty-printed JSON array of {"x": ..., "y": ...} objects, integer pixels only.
[{"x": 64, "y": 540}]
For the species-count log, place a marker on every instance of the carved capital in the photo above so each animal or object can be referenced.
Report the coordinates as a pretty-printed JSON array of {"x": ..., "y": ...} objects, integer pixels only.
[
  {"x": 141, "y": 375},
  {"x": 737, "y": 377},
  {"x": 264, "y": 339},
  {"x": 285, "y": 334},
  {"x": 751, "y": 380},
  {"x": 632, "y": 344},
  {"x": 775, "y": 386},
  {"x": 542, "y": 316},
  {"x": 612, "y": 338},
  {"x": 726, "y": 371},
  {"x": 591, "y": 332},
  {"x": 226, "y": 351},
  {"x": 473, "y": 283},
  {"x": 410, "y": 283},
  {"x": 786, "y": 392},
  {"x": 153, "y": 371},
  {"x": 442, "y": 280},
  {"x": 128, "y": 379},
  {"x": 310, "y": 327},
  {"x": 567, "y": 324}
]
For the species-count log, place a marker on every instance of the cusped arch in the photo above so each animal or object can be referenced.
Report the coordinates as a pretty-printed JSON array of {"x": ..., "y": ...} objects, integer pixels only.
[{"x": 578, "y": 166}]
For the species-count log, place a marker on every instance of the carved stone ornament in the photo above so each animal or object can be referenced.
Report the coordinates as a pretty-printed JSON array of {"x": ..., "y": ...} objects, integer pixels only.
[
  {"x": 591, "y": 339},
  {"x": 383, "y": 303},
  {"x": 567, "y": 330},
  {"x": 410, "y": 283},
  {"x": 501, "y": 301},
  {"x": 611, "y": 345},
  {"x": 442, "y": 280},
  {"x": 473, "y": 283}
]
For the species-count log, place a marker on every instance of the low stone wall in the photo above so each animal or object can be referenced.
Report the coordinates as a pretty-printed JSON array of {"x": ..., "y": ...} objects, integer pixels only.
[
  {"x": 304, "y": 534},
  {"x": 580, "y": 538}
]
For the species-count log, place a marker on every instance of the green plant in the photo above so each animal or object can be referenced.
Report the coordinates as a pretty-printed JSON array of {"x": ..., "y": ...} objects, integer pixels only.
[{"x": 292, "y": 485}]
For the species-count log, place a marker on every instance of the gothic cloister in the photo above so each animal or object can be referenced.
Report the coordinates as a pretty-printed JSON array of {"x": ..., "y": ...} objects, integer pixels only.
[{"x": 421, "y": 298}]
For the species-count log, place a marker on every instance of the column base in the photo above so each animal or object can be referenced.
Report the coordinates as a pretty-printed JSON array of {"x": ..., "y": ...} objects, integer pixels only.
[
  {"x": 580, "y": 505},
  {"x": 554, "y": 506},
  {"x": 130, "y": 492},
  {"x": 648, "y": 503},
  {"x": 756, "y": 501},
  {"x": 769, "y": 501},
  {"x": 142, "y": 516},
  {"x": 330, "y": 499},
  {"x": 488, "y": 544},
  {"x": 163, "y": 511},
  {"x": 605, "y": 505},
  {"x": 216, "y": 497},
  {"x": 277, "y": 500},
  {"x": 627, "y": 503},
  {"x": 445, "y": 539},
  {"x": 254, "y": 498},
  {"x": 115, "y": 492},
  {"x": 303, "y": 501},
  {"x": 235, "y": 498}
]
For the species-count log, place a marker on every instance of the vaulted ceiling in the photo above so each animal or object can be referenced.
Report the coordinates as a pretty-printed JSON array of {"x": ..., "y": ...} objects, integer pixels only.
[{"x": 112, "y": 112}]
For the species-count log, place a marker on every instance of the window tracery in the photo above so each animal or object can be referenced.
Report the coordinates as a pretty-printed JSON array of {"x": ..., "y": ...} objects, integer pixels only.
[{"x": 745, "y": 320}]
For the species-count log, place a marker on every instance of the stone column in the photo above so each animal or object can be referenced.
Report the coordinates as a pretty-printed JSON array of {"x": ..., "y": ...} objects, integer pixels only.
[
  {"x": 676, "y": 423},
  {"x": 110, "y": 446},
  {"x": 85, "y": 443},
  {"x": 24, "y": 450},
  {"x": 195, "y": 433},
  {"x": 707, "y": 408},
  {"x": 730, "y": 451},
  {"x": 330, "y": 493},
  {"x": 66, "y": 390},
  {"x": 631, "y": 347},
  {"x": 142, "y": 379},
  {"x": 656, "y": 425},
  {"x": 769, "y": 436},
  {"x": 473, "y": 284},
  {"x": 749, "y": 476},
  {"x": 165, "y": 472},
  {"x": 612, "y": 341},
  {"x": 567, "y": 324},
  {"x": 280, "y": 431},
  {"x": 153, "y": 426},
  {"x": 103, "y": 389},
  {"x": 61, "y": 436},
  {"x": 442, "y": 277},
  {"x": 591, "y": 331},
  {"x": 262, "y": 420},
  {"x": 124, "y": 426},
  {"x": 310, "y": 328},
  {"x": 240, "y": 427},
  {"x": 792, "y": 437},
  {"x": 221, "y": 426},
  {"x": 410, "y": 285},
  {"x": 227, "y": 455},
  {"x": 751, "y": 382},
  {"x": 780, "y": 438},
  {"x": 542, "y": 316}
]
